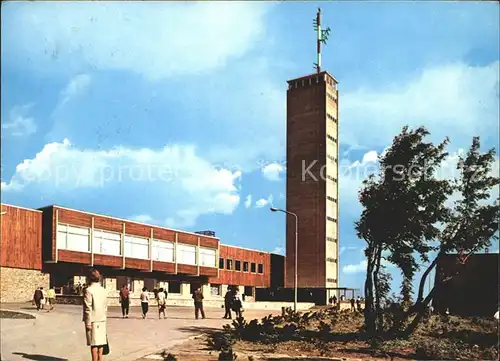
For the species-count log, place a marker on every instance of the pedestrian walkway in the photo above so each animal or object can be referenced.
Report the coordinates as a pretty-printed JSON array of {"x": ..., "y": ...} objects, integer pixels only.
[{"x": 59, "y": 335}]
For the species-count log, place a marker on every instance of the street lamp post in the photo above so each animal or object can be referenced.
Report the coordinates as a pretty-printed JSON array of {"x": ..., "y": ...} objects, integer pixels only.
[{"x": 296, "y": 247}]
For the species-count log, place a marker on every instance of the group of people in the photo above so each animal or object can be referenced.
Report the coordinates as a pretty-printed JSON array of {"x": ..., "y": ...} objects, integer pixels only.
[
  {"x": 42, "y": 299},
  {"x": 95, "y": 307},
  {"x": 160, "y": 297},
  {"x": 233, "y": 302},
  {"x": 355, "y": 303}
]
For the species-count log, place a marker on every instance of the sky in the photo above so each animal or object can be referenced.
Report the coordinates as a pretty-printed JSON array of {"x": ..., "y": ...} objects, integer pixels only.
[{"x": 175, "y": 113}]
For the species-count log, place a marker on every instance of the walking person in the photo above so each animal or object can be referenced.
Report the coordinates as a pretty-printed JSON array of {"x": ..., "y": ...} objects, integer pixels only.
[
  {"x": 37, "y": 298},
  {"x": 353, "y": 309},
  {"x": 161, "y": 298},
  {"x": 44, "y": 298},
  {"x": 198, "y": 303},
  {"x": 237, "y": 304},
  {"x": 95, "y": 307},
  {"x": 228, "y": 298},
  {"x": 51, "y": 299},
  {"x": 145, "y": 302},
  {"x": 125, "y": 300},
  {"x": 358, "y": 304}
]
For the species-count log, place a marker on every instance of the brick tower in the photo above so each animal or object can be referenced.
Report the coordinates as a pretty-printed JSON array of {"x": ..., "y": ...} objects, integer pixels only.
[{"x": 312, "y": 184}]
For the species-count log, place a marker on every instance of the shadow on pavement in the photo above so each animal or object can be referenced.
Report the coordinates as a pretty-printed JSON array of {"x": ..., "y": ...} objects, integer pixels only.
[
  {"x": 198, "y": 329},
  {"x": 39, "y": 357}
]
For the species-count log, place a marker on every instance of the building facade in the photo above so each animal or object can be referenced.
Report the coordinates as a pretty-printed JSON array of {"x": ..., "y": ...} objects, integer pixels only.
[
  {"x": 21, "y": 253},
  {"x": 59, "y": 244},
  {"x": 473, "y": 289},
  {"x": 312, "y": 183}
]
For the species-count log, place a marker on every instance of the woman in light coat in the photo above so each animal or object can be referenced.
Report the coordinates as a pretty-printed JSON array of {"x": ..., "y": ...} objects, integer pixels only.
[{"x": 95, "y": 307}]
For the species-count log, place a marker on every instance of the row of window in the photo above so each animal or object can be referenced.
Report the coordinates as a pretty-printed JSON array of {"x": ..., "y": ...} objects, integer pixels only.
[
  {"x": 331, "y": 219},
  {"x": 331, "y": 117},
  {"x": 331, "y": 138},
  {"x": 109, "y": 243},
  {"x": 331, "y": 199},
  {"x": 332, "y": 98},
  {"x": 303, "y": 82},
  {"x": 330, "y": 81},
  {"x": 216, "y": 290},
  {"x": 228, "y": 265},
  {"x": 333, "y": 179},
  {"x": 332, "y": 158}
]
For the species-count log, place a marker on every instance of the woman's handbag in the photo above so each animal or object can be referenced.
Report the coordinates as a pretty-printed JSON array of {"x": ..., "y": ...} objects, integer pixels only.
[{"x": 105, "y": 351}]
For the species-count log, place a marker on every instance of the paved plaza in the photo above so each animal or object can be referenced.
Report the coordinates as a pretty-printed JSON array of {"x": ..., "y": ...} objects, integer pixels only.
[{"x": 60, "y": 335}]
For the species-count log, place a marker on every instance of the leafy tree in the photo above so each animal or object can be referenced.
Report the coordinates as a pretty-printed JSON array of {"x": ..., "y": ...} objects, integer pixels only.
[
  {"x": 472, "y": 223},
  {"x": 402, "y": 205}
]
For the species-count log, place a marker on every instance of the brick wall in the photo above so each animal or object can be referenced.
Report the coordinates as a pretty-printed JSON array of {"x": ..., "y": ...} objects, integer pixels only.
[{"x": 18, "y": 285}]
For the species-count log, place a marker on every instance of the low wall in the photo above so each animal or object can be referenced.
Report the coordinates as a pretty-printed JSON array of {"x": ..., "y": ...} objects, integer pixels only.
[{"x": 19, "y": 285}]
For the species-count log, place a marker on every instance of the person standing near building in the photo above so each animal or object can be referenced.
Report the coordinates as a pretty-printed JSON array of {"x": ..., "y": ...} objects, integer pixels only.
[
  {"x": 358, "y": 304},
  {"x": 145, "y": 302},
  {"x": 45, "y": 300},
  {"x": 37, "y": 298},
  {"x": 353, "y": 308},
  {"x": 125, "y": 300},
  {"x": 237, "y": 304},
  {"x": 228, "y": 298},
  {"x": 198, "y": 303},
  {"x": 95, "y": 307},
  {"x": 161, "y": 298},
  {"x": 51, "y": 298}
]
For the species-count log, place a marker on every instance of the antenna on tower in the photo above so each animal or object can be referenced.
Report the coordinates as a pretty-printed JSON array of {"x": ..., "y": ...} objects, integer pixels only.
[{"x": 322, "y": 38}]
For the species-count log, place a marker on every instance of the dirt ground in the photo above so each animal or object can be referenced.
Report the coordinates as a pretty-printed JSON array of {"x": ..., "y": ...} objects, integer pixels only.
[{"x": 197, "y": 349}]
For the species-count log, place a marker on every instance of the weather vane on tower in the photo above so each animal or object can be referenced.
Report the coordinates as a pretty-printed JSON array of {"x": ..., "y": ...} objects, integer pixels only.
[{"x": 322, "y": 38}]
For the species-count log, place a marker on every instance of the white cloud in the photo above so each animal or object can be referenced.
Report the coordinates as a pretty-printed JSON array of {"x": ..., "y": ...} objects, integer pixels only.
[
  {"x": 261, "y": 203},
  {"x": 272, "y": 171},
  {"x": 248, "y": 201},
  {"x": 18, "y": 124},
  {"x": 143, "y": 218},
  {"x": 279, "y": 250},
  {"x": 343, "y": 249},
  {"x": 453, "y": 99},
  {"x": 174, "y": 182},
  {"x": 352, "y": 174},
  {"x": 75, "y": 86},
  {"x": 355, "y": 268},
  {"x": 361, "y": 266},
  {"x": 156, "y": 41}
]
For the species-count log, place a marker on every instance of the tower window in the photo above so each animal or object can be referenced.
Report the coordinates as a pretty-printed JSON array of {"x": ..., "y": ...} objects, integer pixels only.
[
  {"x": 331, "y": 219},
  {"x": 229, "y": 264},
  {"x": 331, "y": 178},
  {"x": 332, "y": 158},
  {"x": 331, "y": 199},
  {"x": 331, "y": 239},
  {"x": 332, "y": 280},
  {"x": 331, "y": 260},
  {"x": 331, "y": 117},
  {"x": 331, "y": 138}
]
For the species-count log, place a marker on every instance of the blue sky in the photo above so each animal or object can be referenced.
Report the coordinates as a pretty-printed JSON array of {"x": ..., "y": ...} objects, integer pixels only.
[{"x": 174, "y": 113}]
